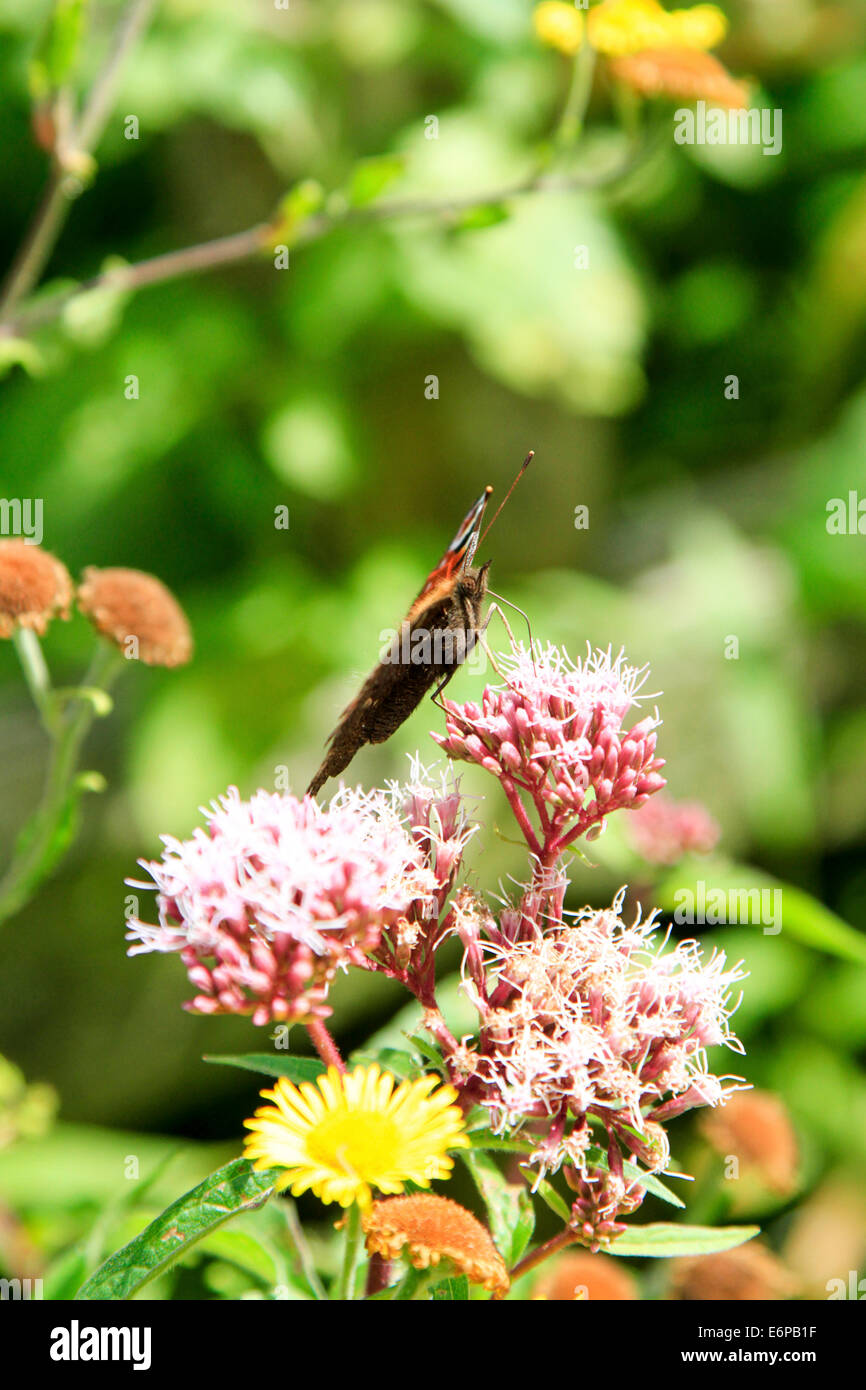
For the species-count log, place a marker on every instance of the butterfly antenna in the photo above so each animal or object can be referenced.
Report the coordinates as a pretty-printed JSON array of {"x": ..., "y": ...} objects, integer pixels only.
[{"x": 523, "y": 467}]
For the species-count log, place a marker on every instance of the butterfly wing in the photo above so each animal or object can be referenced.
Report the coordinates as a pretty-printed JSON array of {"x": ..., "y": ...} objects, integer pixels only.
[
  {"x": 458, "y": 555},
  {"x": 395, "y": 687}
]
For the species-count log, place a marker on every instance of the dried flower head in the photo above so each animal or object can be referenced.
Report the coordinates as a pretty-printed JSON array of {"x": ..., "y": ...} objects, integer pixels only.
[
  {"x": 750, "y": 1273},
  {"x": 598, "y": 1278},
  {"x": 431, "y": 1229},
  {"x": 598, "y": 1020},
  {"x": 756, "y": 1128},
  {"x": 681, "y": 74},
  {"x": 663, "y": 830},
  {"x": 276, "y": 893},
  {"x": 351, "y": 1132},
  {"x": 555, "y": 730},
  {"x": 137, "y": 613},
  {"x": 34, "y": 587}
]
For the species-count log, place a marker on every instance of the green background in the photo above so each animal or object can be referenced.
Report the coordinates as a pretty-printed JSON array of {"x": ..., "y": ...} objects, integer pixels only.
[{"x": 305, "y": 388}]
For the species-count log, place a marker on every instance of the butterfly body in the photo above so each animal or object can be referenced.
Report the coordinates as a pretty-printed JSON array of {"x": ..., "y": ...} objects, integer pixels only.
[{"x": 437, "y": 634}]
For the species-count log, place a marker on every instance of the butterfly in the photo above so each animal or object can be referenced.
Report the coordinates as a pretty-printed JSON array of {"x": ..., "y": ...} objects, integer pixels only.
[{"x": 436, "y": 636}]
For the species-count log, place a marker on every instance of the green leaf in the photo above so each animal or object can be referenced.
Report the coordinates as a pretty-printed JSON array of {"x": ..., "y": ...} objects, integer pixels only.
[
  {"x": 485, "y": 215},
  {"x": 57, "y": 52},
  {"x": 19, "y": 352},
  {"x": 664, "y": 1239},
  {"x": 400, "y": 1064},
  {"x": 297, "y": 1069},
  {"x": 521, "y": 1235},
  {"x": 549, "y": 1195},
  {"x": 232, "y": 1189},
  {"x": 506, "y": 1203},
  {"x": 64, "y": 1275},
  {"x": 242, "y": 1249},
  {"x": 803, "y": 918},
  {"x": 597, "y": 1158},
  {"x": 371, "y": 177},
  {"x": 490, "y": 1143},
  {"x": 299, "y": 204},
  {"x": 455, "y": 1290},
  {"x": 429, "y": 1052}
]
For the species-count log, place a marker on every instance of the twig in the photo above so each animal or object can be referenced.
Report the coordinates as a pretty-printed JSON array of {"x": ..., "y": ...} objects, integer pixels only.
[
  {"x": 245, "y": 245},
  {"x": 63, "y": 187}
]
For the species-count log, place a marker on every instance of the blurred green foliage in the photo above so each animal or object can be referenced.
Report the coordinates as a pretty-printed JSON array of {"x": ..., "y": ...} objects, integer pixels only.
[{"x": 306, "y": 388}]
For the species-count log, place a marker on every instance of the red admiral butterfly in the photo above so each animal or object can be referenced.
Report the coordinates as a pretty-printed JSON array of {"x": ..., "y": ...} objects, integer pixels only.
[{"x": 437, "y": 634}]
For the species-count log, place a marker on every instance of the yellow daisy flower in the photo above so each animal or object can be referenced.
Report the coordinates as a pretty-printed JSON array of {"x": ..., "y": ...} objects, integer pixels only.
[
  {"x": 558, "y": 25},
  {"x": 348, "y": 1133}
]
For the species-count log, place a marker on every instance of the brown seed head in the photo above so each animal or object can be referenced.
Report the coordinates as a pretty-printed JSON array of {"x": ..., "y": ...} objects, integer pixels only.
[
  {"x": 683, "y": 74},
  {"x": 124, "y": 603},
  {"x": 433, "y": 1228},
  {"x": 34, "y": 587},
  {"x": 599, "y": 1278},
  {"x": 750, "y": 1273},
  {"x": 756, "y": 1128}
]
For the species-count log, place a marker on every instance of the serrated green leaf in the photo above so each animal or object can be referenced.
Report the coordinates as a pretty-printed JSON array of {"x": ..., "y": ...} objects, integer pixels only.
[
  {"x": 505, "y": 1202},
  {"x": 371, "y": 177},
  {"x": 665, "y": 1239},
  {"x": 232, "y": 1189},
  {"x": 454, "y": 1290},
  {"x": 297, "y": 1069}
]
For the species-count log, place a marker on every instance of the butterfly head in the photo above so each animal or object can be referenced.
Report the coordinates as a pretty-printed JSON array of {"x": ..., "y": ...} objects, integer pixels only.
[{"x": 461, "y": 551}]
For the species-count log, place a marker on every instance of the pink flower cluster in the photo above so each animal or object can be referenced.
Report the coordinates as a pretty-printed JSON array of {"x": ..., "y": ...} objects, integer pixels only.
[
  {"x": 266, "y": 902},
  {"x": 598, "y": 1021},
  {"x": 434, "y": 810},
  {"x": 554, "y": 731},
  {"x": 663, "y": 831}
]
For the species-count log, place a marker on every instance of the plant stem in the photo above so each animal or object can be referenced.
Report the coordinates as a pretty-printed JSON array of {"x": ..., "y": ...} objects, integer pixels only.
[
  {"x": 35, "y": 670},
  {"x": 324, "y": 1044},
  {"x": 62, "y": 187},
  {"x": 543, "y": 1252},
  {"x": 68, "y": 732},
  {"x": 571, "y": 123},
  {"x": 305, "y": 1255},
  {"x": 351, "y": 1254}
]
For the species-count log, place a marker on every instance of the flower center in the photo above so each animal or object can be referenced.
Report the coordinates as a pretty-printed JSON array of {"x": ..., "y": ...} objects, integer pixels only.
[{"x": 360, "y": 1144}]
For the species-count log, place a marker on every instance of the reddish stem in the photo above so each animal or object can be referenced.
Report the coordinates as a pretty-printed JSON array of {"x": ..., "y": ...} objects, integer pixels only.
[
  {"x": 543, "y": 1252},
  {"x": 324, "y": 1044},
  {"x": 378, "y": 1274},
  {"x": 520, "y": 815}
]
